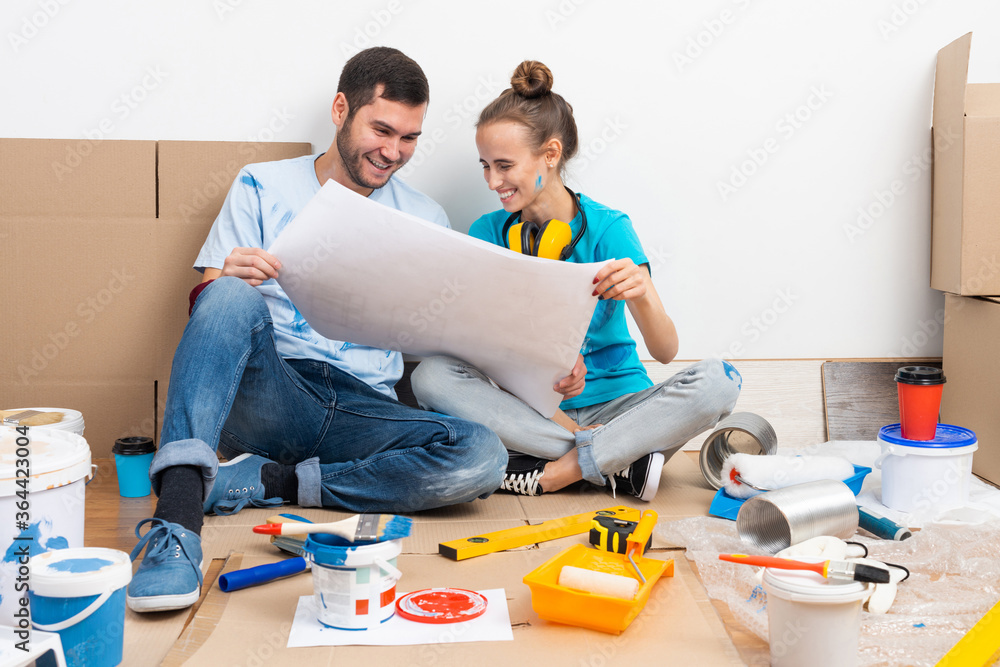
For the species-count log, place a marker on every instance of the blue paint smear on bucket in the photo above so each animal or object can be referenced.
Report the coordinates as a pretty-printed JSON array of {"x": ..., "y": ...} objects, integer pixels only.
[
  {"x": 32, "y": 536},
  {"x": 76, "y": 565}
]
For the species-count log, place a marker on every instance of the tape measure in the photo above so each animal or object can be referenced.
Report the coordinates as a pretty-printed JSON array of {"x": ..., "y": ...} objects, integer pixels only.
[{"x": 610, "y": 533}]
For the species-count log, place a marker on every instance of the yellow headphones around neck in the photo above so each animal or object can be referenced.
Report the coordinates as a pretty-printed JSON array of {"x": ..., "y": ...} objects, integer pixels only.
[{"x": 553, "y": 239}]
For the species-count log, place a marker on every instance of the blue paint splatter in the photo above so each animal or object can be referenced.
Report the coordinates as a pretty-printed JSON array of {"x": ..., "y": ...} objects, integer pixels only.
[
  {"x": 346, "y": 346},
  {"x": 76, "y": 565},
  {"x": 538, "y": 182},
  {"x": 285, "y": 219},
  {"x": 919, "y": 625},
  {"x": 733, "y": 374},
  {"x": 32, "y": 536},
  {"x": 299, "y": 327},
  {"x": 250, "y": 181}
]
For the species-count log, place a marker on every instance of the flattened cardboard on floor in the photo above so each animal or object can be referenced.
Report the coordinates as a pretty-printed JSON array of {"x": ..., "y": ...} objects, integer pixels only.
[
  {"x": 100, "y": 284},
  {"x": 972, "y": 366},
  {"x": 678, "y": 618},
  {"x": 965, "y": 233}
]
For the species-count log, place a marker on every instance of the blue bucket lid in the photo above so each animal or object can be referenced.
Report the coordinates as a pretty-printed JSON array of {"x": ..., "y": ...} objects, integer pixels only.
[{"x": 947, "y": 436}]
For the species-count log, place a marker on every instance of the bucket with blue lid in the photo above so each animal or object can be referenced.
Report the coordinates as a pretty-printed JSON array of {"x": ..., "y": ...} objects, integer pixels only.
[
  {"x": 920, "y": 475},
  {"x": 80, "y": 594}
]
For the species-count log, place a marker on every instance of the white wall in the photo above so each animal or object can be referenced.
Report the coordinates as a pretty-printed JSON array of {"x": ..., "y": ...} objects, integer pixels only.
[{"x": 670, "y": 99}]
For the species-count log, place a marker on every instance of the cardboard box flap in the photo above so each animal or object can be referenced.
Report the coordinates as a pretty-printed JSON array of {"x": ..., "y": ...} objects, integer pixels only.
[
  {"x": 950, "y": 77},
  {"x": 982, "y": 100},
  {"x": 949, "y": 154},
  {"x": 78, "y": 177}
]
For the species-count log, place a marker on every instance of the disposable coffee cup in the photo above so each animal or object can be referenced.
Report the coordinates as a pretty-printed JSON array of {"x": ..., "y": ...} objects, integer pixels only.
[
  {"x": 133, "y": 456},
  {"x": 919, "y": 389}
]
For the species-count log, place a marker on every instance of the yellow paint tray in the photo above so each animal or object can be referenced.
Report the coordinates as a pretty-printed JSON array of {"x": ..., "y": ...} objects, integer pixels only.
[{"x": 589, "y": 610}]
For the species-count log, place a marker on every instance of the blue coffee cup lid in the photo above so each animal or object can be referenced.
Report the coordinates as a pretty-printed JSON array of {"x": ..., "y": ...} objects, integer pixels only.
[{"x": 945, "y": 437}]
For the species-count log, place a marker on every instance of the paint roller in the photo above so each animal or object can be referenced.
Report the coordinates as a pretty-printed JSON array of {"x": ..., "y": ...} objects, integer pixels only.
[{"x": 746, "y": 475}]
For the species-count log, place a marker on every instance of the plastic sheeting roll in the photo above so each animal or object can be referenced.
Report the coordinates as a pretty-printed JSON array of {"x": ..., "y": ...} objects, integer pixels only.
[{"x": 600, "y": 583}]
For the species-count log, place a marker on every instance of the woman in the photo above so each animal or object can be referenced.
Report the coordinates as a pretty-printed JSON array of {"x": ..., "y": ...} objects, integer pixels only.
[{"x": 618, "y": 429}]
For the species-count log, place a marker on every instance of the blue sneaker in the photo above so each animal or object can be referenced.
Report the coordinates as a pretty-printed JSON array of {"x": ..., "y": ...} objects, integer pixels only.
[
  {"x": 237, "y": 485},
  {"x": 170, "y": 574}
]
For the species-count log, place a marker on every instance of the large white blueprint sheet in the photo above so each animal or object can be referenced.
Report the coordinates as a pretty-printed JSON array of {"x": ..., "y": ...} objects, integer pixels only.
[{"x": 362, "y": 272}]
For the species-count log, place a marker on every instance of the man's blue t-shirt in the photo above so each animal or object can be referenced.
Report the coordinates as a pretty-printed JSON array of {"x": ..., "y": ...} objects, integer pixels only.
[
  {"x": 263, "y": 199},
  {"x": 613, "y": 366}
]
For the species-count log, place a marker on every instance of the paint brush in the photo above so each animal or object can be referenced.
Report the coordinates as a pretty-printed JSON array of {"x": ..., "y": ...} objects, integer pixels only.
[
  {"x": 830, "y": 569},
  {"x": 358, "y": 528}
]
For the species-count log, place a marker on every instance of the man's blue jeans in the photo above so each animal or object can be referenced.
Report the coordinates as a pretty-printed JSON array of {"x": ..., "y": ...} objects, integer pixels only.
[{"x": 354, "y": 448}]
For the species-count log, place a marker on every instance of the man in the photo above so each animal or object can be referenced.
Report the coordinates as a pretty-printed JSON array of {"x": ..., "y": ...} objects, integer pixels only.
[{"x": 302, "y": 418}]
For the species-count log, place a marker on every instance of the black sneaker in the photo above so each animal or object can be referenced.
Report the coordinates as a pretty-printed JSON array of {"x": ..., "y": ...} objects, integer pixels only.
[
  {"x": 523, "y": 473},
  {"x": 641, "y": 479}
]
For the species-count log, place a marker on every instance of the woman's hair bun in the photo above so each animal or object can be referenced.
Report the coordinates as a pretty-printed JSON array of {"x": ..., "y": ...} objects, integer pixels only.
[{"x": 531, "y": 79}]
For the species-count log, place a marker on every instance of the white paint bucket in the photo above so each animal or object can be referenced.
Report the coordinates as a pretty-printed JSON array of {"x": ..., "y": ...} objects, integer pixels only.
[
  {"x": 811, "y": 620},
  {"x": 80, "y": 594},
  {"x": 72, "y": 420},
  {"x": 44, "y": 472},
  {"x": 354, "y": 585},
  {"x": 926, "y": 474}
]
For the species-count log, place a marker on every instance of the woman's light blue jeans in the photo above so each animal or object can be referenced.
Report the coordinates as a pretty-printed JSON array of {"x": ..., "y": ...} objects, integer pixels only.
[
  {"x": 659, "y": 419},
  {"x": 354, "y": 448}
]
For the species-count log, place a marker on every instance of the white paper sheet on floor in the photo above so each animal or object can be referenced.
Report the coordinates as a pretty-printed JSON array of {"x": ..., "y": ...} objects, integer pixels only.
[
  {"x": 362, "y": 272},
  {"x": 492, "y": 626}
]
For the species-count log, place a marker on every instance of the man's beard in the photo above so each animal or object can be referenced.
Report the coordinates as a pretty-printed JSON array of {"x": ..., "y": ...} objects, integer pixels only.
[{"x": 352, "y": 159}]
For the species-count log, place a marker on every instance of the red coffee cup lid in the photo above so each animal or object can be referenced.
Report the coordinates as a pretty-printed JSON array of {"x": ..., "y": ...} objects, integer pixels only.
[{"x": 920, "y": 375}]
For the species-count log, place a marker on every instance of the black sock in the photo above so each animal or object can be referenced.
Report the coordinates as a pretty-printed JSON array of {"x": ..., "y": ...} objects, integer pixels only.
[
  {"x": 280, "y": 482},
  {"x": 181, "y": 497}
]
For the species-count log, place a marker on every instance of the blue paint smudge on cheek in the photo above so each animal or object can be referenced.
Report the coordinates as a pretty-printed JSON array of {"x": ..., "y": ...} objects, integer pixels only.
[
  {"x": 76, "y": 565},
  {"x": 538, "y": 183}
]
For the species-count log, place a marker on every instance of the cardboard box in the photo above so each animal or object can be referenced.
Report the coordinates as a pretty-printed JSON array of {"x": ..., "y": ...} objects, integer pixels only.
[
  {"x": 98, "y": 242},
  {"x": 965, "y": 234},
  {"x": 972, "y": 366}
]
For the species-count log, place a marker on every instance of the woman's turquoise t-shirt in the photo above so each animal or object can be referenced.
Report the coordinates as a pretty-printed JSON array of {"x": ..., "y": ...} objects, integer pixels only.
[{"x": 613, "y": 366}]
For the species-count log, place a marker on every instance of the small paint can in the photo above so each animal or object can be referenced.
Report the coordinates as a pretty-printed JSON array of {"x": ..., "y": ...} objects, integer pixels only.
[
  {"x": 811, "y": 620},
  {"x": 354, "y": 584},
  {"x": 739, "y": 433},
  {"x": 80, "y": 594}
]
